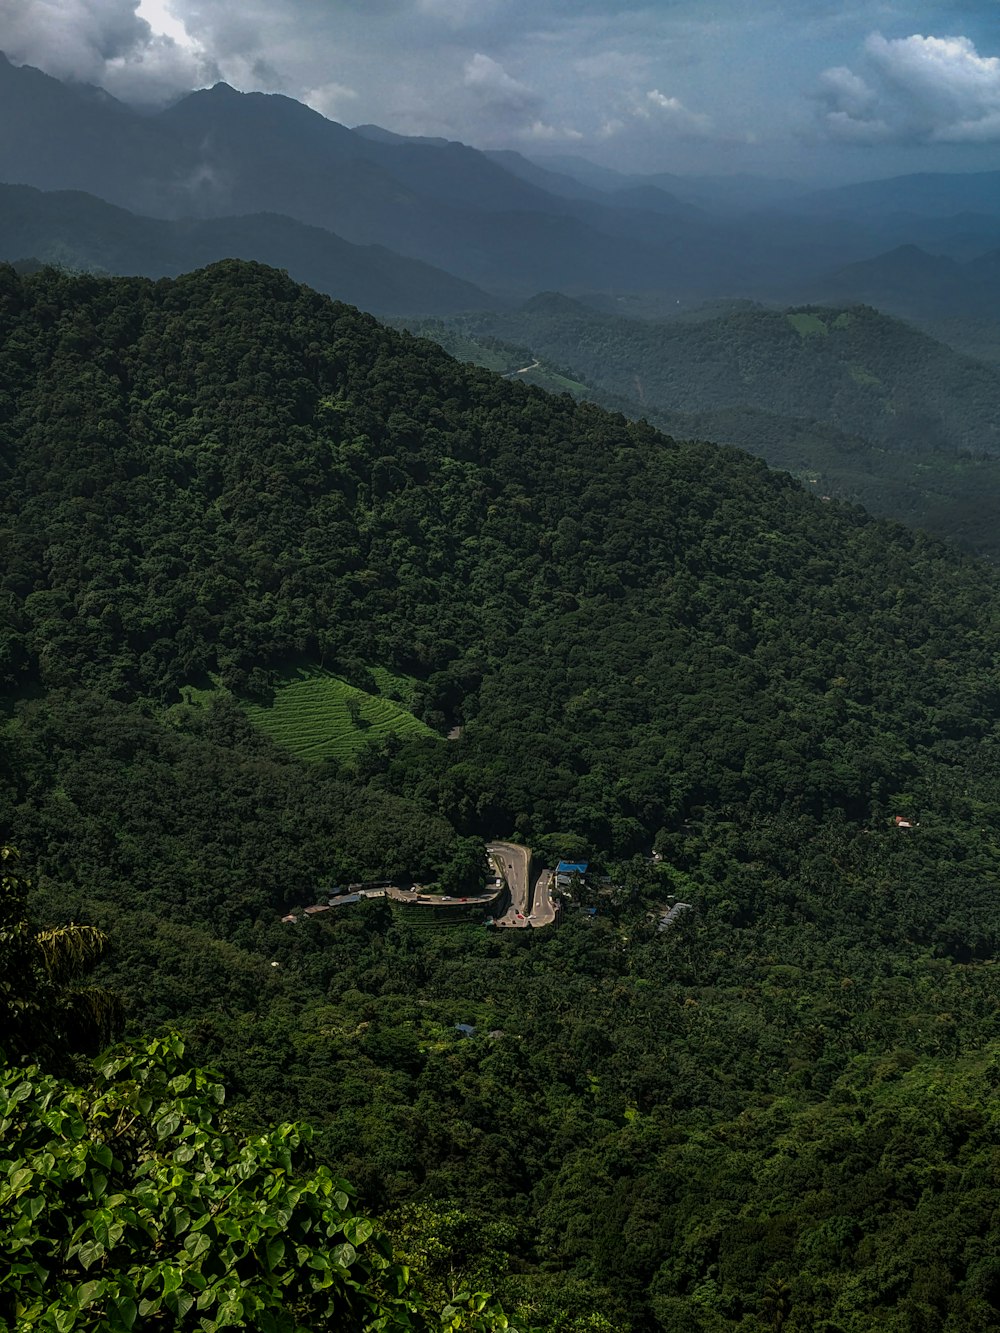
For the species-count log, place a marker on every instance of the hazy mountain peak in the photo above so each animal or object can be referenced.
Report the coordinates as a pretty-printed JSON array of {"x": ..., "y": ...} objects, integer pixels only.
[
  {"x": 554, "y": 303},
  {"x": 380, "y": 135}
]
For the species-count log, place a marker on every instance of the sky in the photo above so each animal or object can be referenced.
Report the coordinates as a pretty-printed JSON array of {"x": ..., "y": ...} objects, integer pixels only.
[{"x": 811, "y": 89}]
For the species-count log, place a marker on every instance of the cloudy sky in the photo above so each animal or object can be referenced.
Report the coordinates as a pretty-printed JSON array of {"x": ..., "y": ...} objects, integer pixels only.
[{"x": 810, "y": 88}]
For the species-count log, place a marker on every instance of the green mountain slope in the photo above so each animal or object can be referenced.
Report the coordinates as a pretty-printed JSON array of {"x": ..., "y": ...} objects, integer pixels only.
[
  {"x": 779, "y": 1106},
  {"x": 953, "y": 496},
  {"x": 273, "y": 477},
  {"x": 859, "y": 371}
]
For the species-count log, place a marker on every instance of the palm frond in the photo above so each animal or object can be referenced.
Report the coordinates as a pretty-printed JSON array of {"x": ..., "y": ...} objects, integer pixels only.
[{"x": 69, "y": 950}]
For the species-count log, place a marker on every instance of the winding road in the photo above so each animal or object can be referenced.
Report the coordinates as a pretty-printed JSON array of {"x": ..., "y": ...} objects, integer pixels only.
[
  {"x": 543, "y": 907},
  {"x": 513, "y": 862}
]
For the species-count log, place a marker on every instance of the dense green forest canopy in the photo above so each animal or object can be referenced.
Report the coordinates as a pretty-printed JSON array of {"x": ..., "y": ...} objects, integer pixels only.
[
  {"x": 776, "y": 1113},
  {"x": 908, "y": 446},
  {"x": 855, "y": 369}
]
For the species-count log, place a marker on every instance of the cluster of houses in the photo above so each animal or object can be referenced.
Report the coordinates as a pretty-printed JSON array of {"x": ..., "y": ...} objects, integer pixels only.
[{"x": 569, "y": 878}]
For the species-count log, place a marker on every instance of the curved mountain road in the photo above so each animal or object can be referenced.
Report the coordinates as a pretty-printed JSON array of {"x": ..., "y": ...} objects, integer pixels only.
[
  {"x": 543, "y": 906},
  {"x": 513, "y": 862}
]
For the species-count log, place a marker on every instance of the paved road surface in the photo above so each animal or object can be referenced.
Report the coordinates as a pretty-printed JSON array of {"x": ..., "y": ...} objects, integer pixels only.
[
  {"x": 514, "y": 863},
  {"x": 543, "y": 909},
  {"x": 527, "y": 908}
]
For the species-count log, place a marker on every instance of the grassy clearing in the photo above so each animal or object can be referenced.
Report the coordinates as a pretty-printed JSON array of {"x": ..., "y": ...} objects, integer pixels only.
[
  {"x": 198, "y": 695},
  {"x": 807, "y": 325},
  {"x": 553, "y": 382},
  {"x": 317, "y": 716}
]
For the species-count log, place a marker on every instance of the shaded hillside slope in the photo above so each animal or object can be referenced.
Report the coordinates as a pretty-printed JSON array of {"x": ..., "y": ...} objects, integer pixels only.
[
  {"x": 80, "y": 231},
  {"x": 953, "y": 496},
  {"x": 226, "y": 472}
]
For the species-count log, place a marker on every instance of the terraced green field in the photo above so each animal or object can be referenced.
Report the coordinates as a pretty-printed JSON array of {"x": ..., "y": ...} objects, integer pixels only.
[
  {"x": 317, "y": 716},
  {"x": 390, "y": 686}
]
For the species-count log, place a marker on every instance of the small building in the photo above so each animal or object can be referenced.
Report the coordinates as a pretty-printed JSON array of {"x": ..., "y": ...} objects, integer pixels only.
[
  {"x": 565, "y": 871},
  {"x": 902, "y": 821},
  {"x": 670, "y": 917},
  {"x": 465, "y": 1029}
]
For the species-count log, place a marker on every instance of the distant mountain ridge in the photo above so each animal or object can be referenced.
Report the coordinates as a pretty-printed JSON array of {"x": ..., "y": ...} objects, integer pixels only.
[
  {"x": 909, "y": 279},
  {"x": 930, "y": 194},
  {"x": 492, "y": 219},
  {"x": 497, "y": 220},
  {"x": 953, "y": 496},
  {"x": 79, "y": 231}
]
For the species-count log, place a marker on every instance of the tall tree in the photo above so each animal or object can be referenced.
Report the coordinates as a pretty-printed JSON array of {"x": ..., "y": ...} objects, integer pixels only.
[{"x": 45, "y": 1014}]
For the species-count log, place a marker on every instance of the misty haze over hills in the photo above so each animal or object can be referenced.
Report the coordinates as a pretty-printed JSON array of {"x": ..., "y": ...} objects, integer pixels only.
[
  {"x": 426, "y": 226},
  {"x": 496, "y": 220}
]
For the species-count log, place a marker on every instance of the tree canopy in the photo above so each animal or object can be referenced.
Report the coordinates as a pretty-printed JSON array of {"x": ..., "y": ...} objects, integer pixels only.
[{"x": 663, "y": 658}]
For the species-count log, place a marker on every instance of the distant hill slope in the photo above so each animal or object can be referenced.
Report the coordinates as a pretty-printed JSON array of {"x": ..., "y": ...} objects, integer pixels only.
[
  {"x": 856, "y": 370},
  {"x": 81, "y": 231},
  {"x": 910, "y": 282},
  {"x": 956, "y": 497},
  {"x": 928, "y": 193},
  {"x": 492, "y": 220}
]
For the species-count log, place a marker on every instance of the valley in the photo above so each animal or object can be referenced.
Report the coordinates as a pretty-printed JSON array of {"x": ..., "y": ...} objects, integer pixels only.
[{"x": 500, "y": 724}]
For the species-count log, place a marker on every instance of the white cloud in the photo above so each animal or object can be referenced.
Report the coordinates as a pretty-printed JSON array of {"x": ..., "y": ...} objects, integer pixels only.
[
  {"x": 329, "y": 99},
  {"x": 672, "y": 112},
  {"x": 164, "y": 22},
  {"x": 542, "y": 132},
  {"x": 482, "y": 72},
  {"x": 106, "y": 42},
  {"x": 918, "y": 90},
  {"x": 848, "y": 91},
  {"x": 509, "y": 102}
]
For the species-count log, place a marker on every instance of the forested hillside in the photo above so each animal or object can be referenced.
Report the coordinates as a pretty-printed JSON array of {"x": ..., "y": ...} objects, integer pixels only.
[
  {"x": 948, "y": 494},
  {"x": 776, "y": 1114},
  {"x": 855, "y": 369}
]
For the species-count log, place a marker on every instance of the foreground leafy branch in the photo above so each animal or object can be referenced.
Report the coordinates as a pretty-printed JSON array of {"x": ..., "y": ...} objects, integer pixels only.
[{"x": 129, "y": 1205}]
